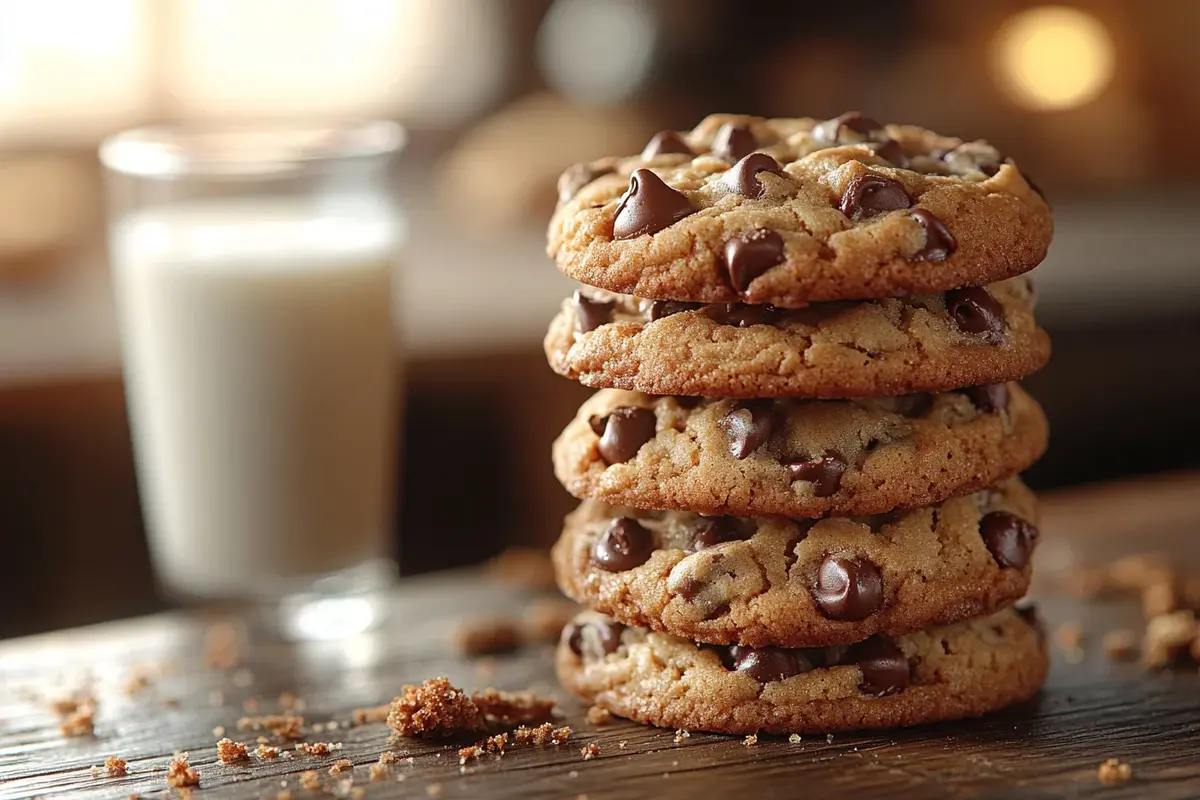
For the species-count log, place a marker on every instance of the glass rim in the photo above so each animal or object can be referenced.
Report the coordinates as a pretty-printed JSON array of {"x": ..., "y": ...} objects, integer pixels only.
[{"x": 232, "y": 151}]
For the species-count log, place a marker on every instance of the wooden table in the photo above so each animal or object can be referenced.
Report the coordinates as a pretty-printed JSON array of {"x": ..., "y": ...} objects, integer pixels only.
[{"x": 1048, "y": 748}]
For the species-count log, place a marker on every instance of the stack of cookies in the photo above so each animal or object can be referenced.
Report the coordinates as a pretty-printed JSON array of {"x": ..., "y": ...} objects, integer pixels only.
[{"x": 800, "y": 505}]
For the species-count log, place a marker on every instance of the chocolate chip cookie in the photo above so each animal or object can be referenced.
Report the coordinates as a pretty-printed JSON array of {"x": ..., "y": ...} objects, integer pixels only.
[
  {"x": 952, "y": 672},
  {"x": 791, "y": 211},
  {"x": 800, "y": 583},
  {"x": 797, "y": 458},
  {"x": 921, "y": 343}
]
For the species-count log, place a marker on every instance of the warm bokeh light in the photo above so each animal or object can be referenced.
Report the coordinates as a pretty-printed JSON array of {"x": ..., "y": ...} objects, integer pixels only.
[{"x": 1054, "y": 57}]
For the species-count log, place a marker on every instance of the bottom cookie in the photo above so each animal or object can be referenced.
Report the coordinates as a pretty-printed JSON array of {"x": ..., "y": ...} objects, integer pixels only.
[{"x": 951, "y": 672}]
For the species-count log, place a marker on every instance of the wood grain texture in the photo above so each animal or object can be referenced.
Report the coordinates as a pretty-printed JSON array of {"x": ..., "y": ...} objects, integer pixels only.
[{"x": 1047, "y": 748}]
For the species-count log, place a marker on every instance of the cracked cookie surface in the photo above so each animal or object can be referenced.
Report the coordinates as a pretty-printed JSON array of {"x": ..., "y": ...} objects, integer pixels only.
[
  {"x": 797, "y": 458},
  {"x": 790, "y": 211},
  {"x": 800, "y": 583},
  {"x": 922, "y": 343},
  {"x": 952, "y": 672}
]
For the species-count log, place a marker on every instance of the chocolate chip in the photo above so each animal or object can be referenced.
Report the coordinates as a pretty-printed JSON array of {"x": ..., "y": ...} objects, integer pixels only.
[
  {"x": 598, "y": 639},
  {"x": 576, "y": 177},
  {"x": 848, "y": 589},
  {"x": 597, "y": 422},
  {"x": 890, "y": 150},
  {"x": 940, "y": 244},
  {"x": 665, "y": 308},
  {"x": 973, "y": 157},
  {"x": 733, "y": 141},
  {"x": 991, "y": 398},
  {"x": 766, "y": 664},
  {"x": 868, "y": 195},
  {"x": 625, "y": 545},
  {"x": 974, "y": 310},
  {"x": 913, "y": 405},
  {"x": 1008, "y": 538},
  {"x": 718, "y": 530},
  {"x": 885, "y": 670},
  {"x": 741, "y": 315},
  {"x": 751, "y": 254},
  {"x": 829, "y": 132},
  {"x": 749, "y": 427},
  {"x": 665, "y": 142},
  {"x": 626, "y": 429},
  {"x": 591, "y": 313},
  {"x": 648, "y": 206},
  {"x": 743, "y": 177},
  {"x": 824, "y": 473}
]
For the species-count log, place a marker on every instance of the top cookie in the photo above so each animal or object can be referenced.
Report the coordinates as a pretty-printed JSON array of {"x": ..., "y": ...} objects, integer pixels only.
[{"x": 792, "y": 211}]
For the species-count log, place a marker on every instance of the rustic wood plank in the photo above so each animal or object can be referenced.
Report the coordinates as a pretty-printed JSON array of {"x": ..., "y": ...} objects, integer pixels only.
[{"x": 1050, "y": 747}]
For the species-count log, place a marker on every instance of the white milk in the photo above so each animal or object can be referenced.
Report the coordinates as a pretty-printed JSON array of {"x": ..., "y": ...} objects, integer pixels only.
[{"x": 258, "y": 367}]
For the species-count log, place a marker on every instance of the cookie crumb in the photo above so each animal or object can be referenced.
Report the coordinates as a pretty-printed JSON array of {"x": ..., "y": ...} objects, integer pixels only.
[
  {"x": 229, "y": 751},
  {"x": 180, "y": 774},
  {"x": 1114, "y": 771},
  {"x": 435, "y": 708},
  {"x": 371, "y": 714},
  {"x": 680, "y": 735},
  {"x": 340, "y": 766},
  {"x": 621, "y": 744},
  {"x": 1167, "y": 637},
  {"x": 528, "y": 567},
  {"x": 541, "y": 735},
  {"x": 318, "y": 748},
  {"x": 589, "y": 751},
  {"x": 81, "y": 720},
  {"x": 221, "y": 650},
  {"x": 750, "y": 740},
  {"x": 486, "y": 636},
  {"x": 829, "y": 738},
  {"x": 310, "y": 780},
  {"x": 267, "y": 751},
  {"x": 219, "y": 732},
  {"x": 1120, "y": 644},
  {"x": 599, "y": 716},
  {"x": 283, "y": 794},
  {"x": 137, "y": 681},
  {"x": 1069, "y": 638},
  {"x": 116, "y": 767},
  {"x": 378, "y": 772},
  {"x": 434, "y": 790},
  {"x": 285, "y": 726},
  {"x": 794, "y": 738}
]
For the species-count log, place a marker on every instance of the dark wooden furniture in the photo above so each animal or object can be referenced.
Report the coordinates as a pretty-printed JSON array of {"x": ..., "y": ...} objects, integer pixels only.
[{"x": 1048, "y": 748}]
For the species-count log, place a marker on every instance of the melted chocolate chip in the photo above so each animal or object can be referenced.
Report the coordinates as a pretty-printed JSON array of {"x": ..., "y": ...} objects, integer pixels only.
[
  {"x": 766, "y": 664},
  {"x": 940, "y": 244},
  {"x": 869, "y": 195},
  {"x": 749, "y": 427},
  {"x": 665, "y": 308},
  {"x": 885, "y": 670},
  {"x": 733, "y": 141},
  {"x": 625, "y": 545},
  {"x": 824, "y": 473},
  {"x": 597, "y": 639},
  {"x": 576, "y": 177},
  {"x": 829, "y": 132},
  {"x": 648, "y": 206},
  {"x": 625, "y": 430},
  {"x": 991, "y": 398},
  {"x": 743, "y": 177},
  {"x": 591, "y": 313},
  {"x": 847, "y": 589},
  {"x": 742, "y": 315},
  {"x": 750, "y": 255},
  {"x": 913, "y": 405},
  {"x": 665, "y": 142},
  {"x": 974, "y": 310},
  {"x": 890, "y": 150},
  {"x": 1008, "y": 538},
  {"x": 718, "y": 530}
]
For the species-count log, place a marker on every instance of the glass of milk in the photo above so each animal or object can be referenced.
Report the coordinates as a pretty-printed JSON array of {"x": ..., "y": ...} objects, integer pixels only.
[{"x": 253, "y": 275}]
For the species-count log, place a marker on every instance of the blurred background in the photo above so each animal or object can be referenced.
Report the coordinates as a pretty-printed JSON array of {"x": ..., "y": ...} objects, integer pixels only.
[{"x": 1100, "y": 101}]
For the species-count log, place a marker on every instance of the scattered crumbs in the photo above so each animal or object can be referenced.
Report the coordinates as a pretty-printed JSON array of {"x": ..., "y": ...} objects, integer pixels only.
[
  {"x": 1167, "y": 637},
  {"x": 340, "y": 766},
  {"x": 829, "y": 738},
  {"x": 589, "y": 751},
  {"x": 357, "y": 793},
  {"x": 80, "y": 721},
  {"x": 1069, "y": 638},
  {"x": 332, "y": 725},
  {"x": 794, "y": 738},
  {"x": 544, "y": 618},
  {"x": 310, "y": 780},
  {"x": 1114, "y": 771},
  {"x": 221, "y": 649},
  {"x": 318, "y": 727},
  {"x": 680, "y": 735},
  {"x": 468, "y": 753},
  {"x": 495, "y": 745},
  {"x": 1120, "y": 644},
  {"x": 219, "y": 732},
  {"x": 267, "y": 751},
  {"x": 137, "y": 681},
  {"x": 573, "y": 773},
  {"x": 513, "y": 708},
  {"x": 750, "y": 740},
  {"x": 435, "y": 708},
  {"x": 243, "y": 678},
  {"x": 250, "y": 705},
  {"x": 285, "y": 726},
  {"x": 621, "y": 744},
  {"x": 486, "y": 635},
  {"x": 318, "y": 748},
  {"x": 378, "y": 772},
  {"x": 599, "y": 716},
  {"x": 527, "y": 567},
  {"x": 229, "y": 751},
  {"x": 541, "y": 735},
  {"x": 65, "y": 706},
  {"x": 434, "y": 790},
  {"x": 371, "y": 714},
  {"x": 180, "y": 774}
]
